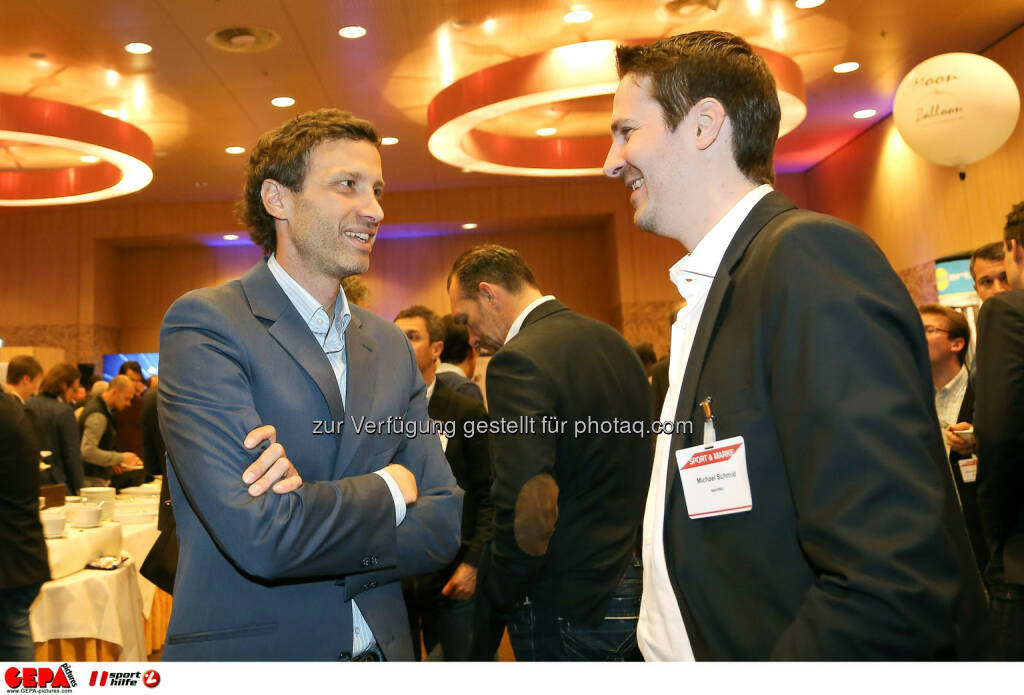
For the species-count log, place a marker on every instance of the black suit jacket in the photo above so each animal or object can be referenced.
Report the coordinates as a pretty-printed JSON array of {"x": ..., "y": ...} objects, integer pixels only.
[
  {"x": 461, "y": 384},
  {"x": 968, "y": 492},
  {"x": 813, "y": 351},
  {"x": 22, "y": 546},
  {"x": 58, "y": 433},
  {"x": 571, "y": 369},
  {"x": 153, "y": 449},
  {"x": 469, "y": 458},
  {"x": 999, "y": 427}
]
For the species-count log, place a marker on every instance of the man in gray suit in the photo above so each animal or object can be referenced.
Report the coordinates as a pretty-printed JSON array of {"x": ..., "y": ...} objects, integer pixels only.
[{"x": 309, "y": 573}]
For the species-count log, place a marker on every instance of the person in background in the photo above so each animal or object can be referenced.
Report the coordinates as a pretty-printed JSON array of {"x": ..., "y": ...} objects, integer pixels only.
[
  {"x": 152, "y": 441},
  {"x": 443, "y": 602},
  {"x": 24, "y": 374},
  {"x": 458, "y": 360},
  {"x": 356, "y": 290},
  {"x": 24, "y": 565},
  {"x": 568, "y": 491},
  {"x": 56, "y": 426},
  {"x": 948, "y": 335},
  {"x": 129, "y": 420},
  {"x": 103, "y": 464},
  {"x": 999, "y": 428},
  {"x": 988, "y": 270}
]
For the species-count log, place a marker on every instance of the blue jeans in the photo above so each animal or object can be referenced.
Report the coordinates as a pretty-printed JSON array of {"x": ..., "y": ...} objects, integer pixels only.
[
  {"x": 442, "y": 620},
  {"x": 15, "y": 631},
  {"x": 537, "y": 635}
]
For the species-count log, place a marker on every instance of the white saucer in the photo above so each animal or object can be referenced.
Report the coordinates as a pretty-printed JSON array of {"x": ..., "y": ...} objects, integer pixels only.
[{"x": 89, "y": 526}]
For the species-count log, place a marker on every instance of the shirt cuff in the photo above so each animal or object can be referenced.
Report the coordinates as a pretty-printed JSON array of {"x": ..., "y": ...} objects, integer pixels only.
[{"x": 396, "y": 494}]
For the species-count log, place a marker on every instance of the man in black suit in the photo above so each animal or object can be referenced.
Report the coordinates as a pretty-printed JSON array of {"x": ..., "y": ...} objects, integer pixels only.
[
  {"x": 807, "y": 513},
  {"x": 56, "y": 426},
  {"x": 458, "y": 360},
  {"x": 443, "y": 601},
  {"x": 999, "y": 426},
  {"x": 563, "y": 389},
  {"x": 25, "y": 566}
]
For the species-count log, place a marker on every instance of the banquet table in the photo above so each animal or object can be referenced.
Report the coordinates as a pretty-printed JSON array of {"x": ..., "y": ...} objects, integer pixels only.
[{"x": 100, "y": 615}]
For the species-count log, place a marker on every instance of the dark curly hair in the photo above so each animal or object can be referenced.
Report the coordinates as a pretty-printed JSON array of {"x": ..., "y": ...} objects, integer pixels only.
[{"x": 282, "y": 154}]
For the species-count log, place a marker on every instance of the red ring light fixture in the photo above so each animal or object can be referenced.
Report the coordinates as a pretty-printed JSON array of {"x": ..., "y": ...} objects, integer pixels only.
[
  {"x": 125, "y": 153},
  {"x": 560, "y": 74}
]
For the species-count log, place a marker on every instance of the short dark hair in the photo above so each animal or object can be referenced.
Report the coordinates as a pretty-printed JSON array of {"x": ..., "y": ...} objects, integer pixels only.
[
  {"x": 989, "y": 252},
  {"x": 58, "y": 378},
  {"x": 456, "y": 341},
  {"x": 22, "y": 366},
  {"x": 645, "y": 351},
  {"x": 958, "y": 326},
  {"x": 435, "y": 329},
  {"x": 282, "y": 154},
  {"x": 130, "y": 366},
  {"x": 1014, "y": 228},
  {"x": 490, "y": 263},
  {"x": 689, "y": 67}
]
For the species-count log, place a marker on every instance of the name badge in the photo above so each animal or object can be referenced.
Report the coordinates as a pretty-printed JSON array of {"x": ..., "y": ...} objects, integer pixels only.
[
  {"x": 969, "y": 469},
  {"x": 714, "y": 478}
]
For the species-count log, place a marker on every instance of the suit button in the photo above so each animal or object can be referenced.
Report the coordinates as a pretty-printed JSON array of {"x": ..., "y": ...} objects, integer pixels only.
[
  {"x": 369, "y": 585},
  {"x": 374, "y": 560},
  {"x": 366, "y": 562}
]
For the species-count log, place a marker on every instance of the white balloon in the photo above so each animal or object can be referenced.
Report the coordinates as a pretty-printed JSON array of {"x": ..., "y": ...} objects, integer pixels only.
[{"x": 956, "y": 108}]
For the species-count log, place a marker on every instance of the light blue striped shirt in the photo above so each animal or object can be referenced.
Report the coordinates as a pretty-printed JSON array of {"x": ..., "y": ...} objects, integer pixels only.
[{"x": 329, "y": 332}]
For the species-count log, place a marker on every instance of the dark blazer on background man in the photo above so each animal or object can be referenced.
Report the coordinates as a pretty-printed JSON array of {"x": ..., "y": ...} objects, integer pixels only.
[
  {"x": 999, "y": 428},
  {"x": 569, "y": 368},
  {"x": 272, "y": 577},
  {"x": 470, "y": 460},
  {"x": 153, "y": 449},
  {"x": 813, "y": 351},
  {"x": 22, "y": 547},
  {"x": 58, "y": 433},
  {"x": 460, "y": 384}
]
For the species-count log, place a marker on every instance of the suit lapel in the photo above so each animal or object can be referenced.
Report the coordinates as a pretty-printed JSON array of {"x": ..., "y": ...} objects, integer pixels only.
[
  {"x": 766, "y": 209},
  {"x": 269, "y": 302},
  {"x": 362, "y": 383}
]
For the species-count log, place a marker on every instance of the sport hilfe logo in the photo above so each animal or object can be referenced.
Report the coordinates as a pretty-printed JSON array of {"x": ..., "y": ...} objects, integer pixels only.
[{"x": 41, "y": 679}]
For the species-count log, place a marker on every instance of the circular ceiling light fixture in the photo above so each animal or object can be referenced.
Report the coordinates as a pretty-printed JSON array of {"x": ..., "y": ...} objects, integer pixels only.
[
  {"x": 389, "y": 140},
  {"x": 282, "y": 102},
  {"x": 89, "y": 158},
  {"x": 234, "y": 149},
  {"x": 470, "y": 225},
  {"x": 808, "y": 4},
  {"x": 578, "y": 16},
  {"x": 544, "y": 132},
  {"x": 561, "y": 74},
  {"x": 865, "y": 113},
  {"x": 138, "y": 48},
  {"x": 849, "y": 66},
  {"x": 230, "y": 237},
  {"x": 125, "y": 151},
  {"x": 352, "y": 32}
]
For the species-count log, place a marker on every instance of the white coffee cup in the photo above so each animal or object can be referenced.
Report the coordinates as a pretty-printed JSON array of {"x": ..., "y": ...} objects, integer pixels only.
[
  {"x": 53, "y": 524},
  {"x": 83, "y": 515}
]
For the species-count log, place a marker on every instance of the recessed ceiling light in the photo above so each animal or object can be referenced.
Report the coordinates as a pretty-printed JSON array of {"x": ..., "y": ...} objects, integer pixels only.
[
  {"x": 234, "y": 149},
  {"x": 230, "y": 237},
  {"x": 778, "y": 25},
  {"x": 578, "y": 16},
  {"x": 352, "y": 32},
  {"x": 864, "y": 113},
  {"x": 89, "y": 158},
  {"x": 808, "y": 4},
  {"x": 389, "y": 141},
  {"x": 546, "y": 131},
  {"x": 138, "y": 48},
  {"x": 489, "y": 24},
  {"x": 282, "y": 102},
  {"x": 113, "y": 113},
  {"x": 846, "y": 67},
  {"x": 469, "y": 225}
]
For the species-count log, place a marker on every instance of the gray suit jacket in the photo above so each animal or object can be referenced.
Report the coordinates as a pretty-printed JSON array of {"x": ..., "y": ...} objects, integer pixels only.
[{"x": 272, "y": 577}]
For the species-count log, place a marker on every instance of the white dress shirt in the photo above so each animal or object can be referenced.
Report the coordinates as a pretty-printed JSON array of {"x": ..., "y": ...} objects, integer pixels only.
[
  {"x": 948, "y": 401},
  {"x": 329, "y": 331},
  {"x": 513, "y": 331},
  {"x": 660, "y": 631}
]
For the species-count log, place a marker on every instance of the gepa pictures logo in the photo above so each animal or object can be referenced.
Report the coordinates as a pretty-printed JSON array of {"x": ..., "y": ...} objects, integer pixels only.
[{"x": 40, "y": 679}]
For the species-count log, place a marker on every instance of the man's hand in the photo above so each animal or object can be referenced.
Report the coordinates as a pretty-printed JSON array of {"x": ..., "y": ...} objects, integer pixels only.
[
  {"x": 962, "y": 446},
  {"x": 462, "y": 584},
  {"x": 405, "y": 479},
  {"x": 272, "y": 468},
  {"x": 117, "y": 469},
  {"x": 130, "y": 461}
]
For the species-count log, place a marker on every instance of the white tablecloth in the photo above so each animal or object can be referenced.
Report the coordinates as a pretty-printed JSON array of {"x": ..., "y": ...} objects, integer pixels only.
[
  {"x": 98, "y": 604},
  {"x": 79, "y": 547},
  {"x": 137, "y": 539}
]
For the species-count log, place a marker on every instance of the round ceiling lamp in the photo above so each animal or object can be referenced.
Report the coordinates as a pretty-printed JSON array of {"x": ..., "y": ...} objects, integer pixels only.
[
  {"x": 561, "y": 74},
  {"x": 125, "y": 153}
]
